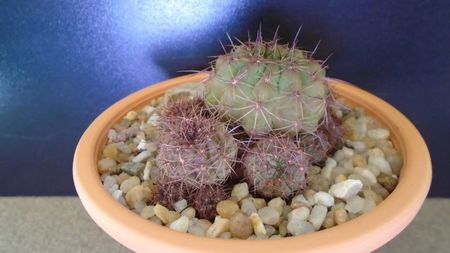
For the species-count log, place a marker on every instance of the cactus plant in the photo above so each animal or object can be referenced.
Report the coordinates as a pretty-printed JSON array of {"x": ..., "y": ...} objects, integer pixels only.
[
  {"x": 205, "y": 199},
  {"x": 267, "y": 86},
  {"x": 276, "y": 166},
  {"x": 195, "y": 149}
]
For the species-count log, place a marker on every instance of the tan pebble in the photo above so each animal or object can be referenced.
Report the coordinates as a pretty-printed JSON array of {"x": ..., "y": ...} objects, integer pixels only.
[
  {"x": 295, "y": 205},
  {"x": 282, "y": 229},
  {"x": 204, "y": 223},
  {"x": 387, "y": 181},
  {"x": 172, "y": 215},
  {"x": 309, "y": 195},
  {"x": 219, "y": 226},
  {"x": 340, "y": 216},
  {"x": 259, "y": 203},
  {"x": 148, "y": 212},
  {"x": 136, "y": 194},
  {"x": 129, "y": 183},
  {"x": 372, "y": 195},
  {"x": 380, "y": 190},
  {"x": 189, "y": 212},
  {"x": 370, "y": 143},
  {"x": 131, "y": 115},
  {"x": 110, "y": 151},
  {"x": 226, "y": 208},
  {"x": 340, "y": 178},
  {"x": 155, "y": 220},
  {"x": 162, "y": 213},
  {"x": 359, "y": 161},
  {"x": 257, "y": 224},
  {"x": 240, "y": 226},
  {"x": 106, "y": 165},
  {"x": 328, "y": 222},
  {"x": 122, "y": 177}
]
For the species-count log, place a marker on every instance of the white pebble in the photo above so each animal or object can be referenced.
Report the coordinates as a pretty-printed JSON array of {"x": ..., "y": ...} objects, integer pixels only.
[
  {"x": 378, "y": 134},
  {"x": 380, "y": 163},
  {"x": 146, "y": 175},
  {"x": 369, "y": 204},
  {"x": 277, "y": 204},
  {"x": 300, "y": 213},
  {"x": 355, "y": 205},
  {"x": 197, "y": 227},
  {"x": 153, "y": 120},
  {"x": 346, "y": 189},
  {"x": 248, "y": 207},
  {"x": 318, "y": 214},
  {"x": 359, "y": 146},
  {"x": 269, "y": 230},
  {"x": 149, "y": 109},
  {"x": 240, "y": 191},
  {"x": 109, "y": 182},
  {"x": 181, "y": 224},
  {"x": 142, "y": 145},
  {"x": 106, "y": 164},
  {"x": 180, "y": 205},
  {"x": 141, "y": 157},
  {"x": 269, "y": 215},
  {"x": 219, "y": 226},
  {"x": 339, "y": 155},
  {"x": 330, "y": 164},
  {"x": 348, "y": 152},
  {"x": 300, "y": 199},
  {"x": 367, "y": 174},
  {"x": 323, "y": 198},
  {"x": 147, "y": 212},
  {"x": 299, "y": 227}
]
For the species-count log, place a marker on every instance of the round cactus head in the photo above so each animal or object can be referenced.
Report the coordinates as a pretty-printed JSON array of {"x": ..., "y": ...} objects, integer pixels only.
[
  {"x": 195, "y": 149},
  {"x": 266, "y": 86},
  {"x": 276, "y": 166},
  {"x": 205, "y": 199}
]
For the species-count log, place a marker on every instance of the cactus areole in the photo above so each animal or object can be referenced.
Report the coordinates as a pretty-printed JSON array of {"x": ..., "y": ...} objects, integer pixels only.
[{"x": 265, "y": 86}]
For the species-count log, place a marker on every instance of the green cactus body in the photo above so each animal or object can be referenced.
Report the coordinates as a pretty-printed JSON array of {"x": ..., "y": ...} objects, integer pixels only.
[
  {"x": 276, "y": 167},
  {"x": 265, "y": 87}
]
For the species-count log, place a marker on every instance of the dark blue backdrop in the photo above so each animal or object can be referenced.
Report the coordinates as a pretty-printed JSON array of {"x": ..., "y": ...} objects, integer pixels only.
[{"x": 64, "y": 62}]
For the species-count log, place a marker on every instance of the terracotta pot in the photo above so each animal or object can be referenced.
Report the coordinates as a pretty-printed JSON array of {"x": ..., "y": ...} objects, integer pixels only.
[{"x": 363, "y": 234}]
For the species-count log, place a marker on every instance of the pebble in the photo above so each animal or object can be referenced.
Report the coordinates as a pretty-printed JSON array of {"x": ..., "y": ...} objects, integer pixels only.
[
  {"x": 162, "y": 213},
  {"x": 359, "y": 146},
  {"x": 259, "y": 203},
  {"x": 257, "y": 224},
  {"x": 247, "y": 207},
  {"x": 129, "y": 183},
  {"x": 225, "y": 235},
  {"x": 180, "y": 205},
  {"x": 387, "y": 181},
  {"x": 109, "y": 182},
  {"x": 149, "y": 109},
  {"x": 348, "y": 152},
  {"x": 346, "y": 189},
  {"x": 367, "y": 193},
  {"x": 367, "y": 174},
  {"x": 328, "y": 222},
  {"x": 269, "y": 230},
  {"x": 299, "y": 227},
  {"x": 378, "y": 134},
  {"x": 138, "y": 206},
  {"x": 269, "y": 215},
  {"x": 380, "y": 163},
  {"x": 369, "y": 204},
  {"x": 148, "y": 212},
  {"x": 136, "y": 194},
  {"x": 282, "y": 229},
  {"x": 132, "y": 168},
  {"x": 219, "y": 226},
  {"x": 110, "y": 151},
  {"x": 340, "y": 215},
  {"x": 131, "y": 115},
  {"x": 197, "y": 227},
  {"x": 340, "y": 178},
  {"x": 153, "y": 120},
  {"x": 286, "y": 210},
  {"x": 300, "y": 199},
  {"x": 319, "y": 183},
  {"x": 359, "y": 161},
  {"x": 301, "y": 213},
  {"x": 142, "y": 157},
  {"x": 240, "y": 226},
  {"x": 330, "y": 164},
  {"x": 181, "y": 224},
  {"x": 189, "y": 212},
  {"x": 240, "y": 191},
  {"x": 317, "y": 217},
  {"x": 380, "y": 190},
  {"x": 339, "y": 155},
  {"x": 124, "y": 148},
  {"x": 226, "y": 208},
  {"x": 155, "y": 220},
  {"x": 396, "y": 163},
  {"x": 106, "y": 165},
  {"x": 323, "y": 198},
  {"x": 277, "y": 204},
  {"x": 355, "y": 205},
  {"x": 118, "y": 195},
  {"x": 122, "y": 177}
]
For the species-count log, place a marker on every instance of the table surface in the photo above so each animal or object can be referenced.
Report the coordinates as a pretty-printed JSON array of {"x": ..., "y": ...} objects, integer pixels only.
[{"x": 60, "y": 224}]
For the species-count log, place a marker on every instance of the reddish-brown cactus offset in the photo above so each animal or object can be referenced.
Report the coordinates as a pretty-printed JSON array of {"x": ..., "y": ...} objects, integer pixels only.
[
  {"x": 205, "y": 199},
  {"x": 276, "y": 166}
]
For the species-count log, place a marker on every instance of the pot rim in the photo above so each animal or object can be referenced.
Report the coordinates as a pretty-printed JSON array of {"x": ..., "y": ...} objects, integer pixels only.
[{"x": 365, "y": 233}]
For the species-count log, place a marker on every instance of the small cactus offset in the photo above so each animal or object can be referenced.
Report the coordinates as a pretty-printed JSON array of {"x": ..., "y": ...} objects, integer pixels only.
[
  {"x": 196, "y": 150},
  {"x": 266, "y": 86},
  {"x": 205, "y": 199},
  {"x": 276, "y": 167}
]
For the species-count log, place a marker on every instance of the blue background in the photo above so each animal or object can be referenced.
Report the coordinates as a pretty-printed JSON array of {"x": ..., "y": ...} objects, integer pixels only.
[{"x": 64, "y": 62}]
